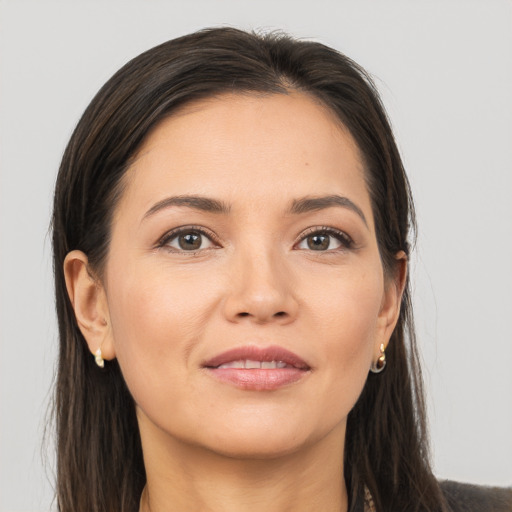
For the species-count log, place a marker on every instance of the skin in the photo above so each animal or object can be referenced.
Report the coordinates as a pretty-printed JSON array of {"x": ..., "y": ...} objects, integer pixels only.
[{"x": 162, "y": 311}]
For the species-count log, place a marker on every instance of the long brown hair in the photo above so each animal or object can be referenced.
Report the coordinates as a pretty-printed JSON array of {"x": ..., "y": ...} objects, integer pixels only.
[{"x": 99, "y": 461}]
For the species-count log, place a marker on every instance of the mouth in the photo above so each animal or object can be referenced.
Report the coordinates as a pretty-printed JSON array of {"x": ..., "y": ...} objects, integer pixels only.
[
  {"x": 256, "y": 368},
  {"x": 248, "y": 364}
]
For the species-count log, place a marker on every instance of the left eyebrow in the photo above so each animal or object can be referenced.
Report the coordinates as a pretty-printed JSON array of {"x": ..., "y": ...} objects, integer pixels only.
[{"x": 311, "y": 204}]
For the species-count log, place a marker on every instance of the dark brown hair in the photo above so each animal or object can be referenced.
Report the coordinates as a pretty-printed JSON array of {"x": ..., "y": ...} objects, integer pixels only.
[{"x": 100, "y": 466}]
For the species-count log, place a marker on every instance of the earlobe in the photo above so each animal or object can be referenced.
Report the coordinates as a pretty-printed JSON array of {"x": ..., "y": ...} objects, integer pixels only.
[{"x": 89, "y": 301}]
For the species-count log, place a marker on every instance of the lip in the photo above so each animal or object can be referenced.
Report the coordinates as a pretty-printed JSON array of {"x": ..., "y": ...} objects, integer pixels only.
[{"x": 257, "y": 379}]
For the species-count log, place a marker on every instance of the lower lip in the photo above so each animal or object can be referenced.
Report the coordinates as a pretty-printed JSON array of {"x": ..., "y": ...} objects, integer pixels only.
[{"x": 258, "y": 380}]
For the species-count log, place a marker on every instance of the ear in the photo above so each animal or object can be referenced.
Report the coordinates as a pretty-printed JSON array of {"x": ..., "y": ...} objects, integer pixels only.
[
  {"x": 394, "y": 286},
  {"x": 89, "y": 302}
]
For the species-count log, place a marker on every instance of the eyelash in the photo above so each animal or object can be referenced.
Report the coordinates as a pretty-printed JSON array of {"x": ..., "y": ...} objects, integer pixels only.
[
  {"x": 345, "y": 240},
  {"x": 174, "y": 233}
]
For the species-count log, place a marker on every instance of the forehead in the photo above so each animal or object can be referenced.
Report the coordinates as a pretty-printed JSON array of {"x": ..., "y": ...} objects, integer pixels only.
[{"x": 247, "y": 147}]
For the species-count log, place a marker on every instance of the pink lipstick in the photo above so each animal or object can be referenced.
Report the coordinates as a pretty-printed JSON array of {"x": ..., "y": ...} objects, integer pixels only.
[{"x": 257, "y": 368}]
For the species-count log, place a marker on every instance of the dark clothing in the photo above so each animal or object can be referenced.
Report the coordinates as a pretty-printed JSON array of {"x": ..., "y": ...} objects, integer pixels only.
[
  {"x": 476, "y": 498},
  {"x": 460, "y": 498}
]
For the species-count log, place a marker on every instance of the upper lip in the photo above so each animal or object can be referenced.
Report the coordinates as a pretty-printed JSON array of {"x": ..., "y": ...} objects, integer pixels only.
[{"x": 255, "y": 353}]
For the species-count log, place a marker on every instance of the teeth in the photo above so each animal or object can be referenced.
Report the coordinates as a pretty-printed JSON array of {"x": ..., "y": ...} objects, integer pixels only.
[
  {"x": 233, "y": 364},
  {"x": 253, "y": 365}
]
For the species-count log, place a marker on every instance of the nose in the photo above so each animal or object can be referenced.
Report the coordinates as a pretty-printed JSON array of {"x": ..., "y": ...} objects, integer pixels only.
[{"x": 261, "y": 290}]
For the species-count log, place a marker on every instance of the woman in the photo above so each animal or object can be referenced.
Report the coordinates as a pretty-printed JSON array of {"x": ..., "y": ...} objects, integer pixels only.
[{"x": 230, "y": 235}]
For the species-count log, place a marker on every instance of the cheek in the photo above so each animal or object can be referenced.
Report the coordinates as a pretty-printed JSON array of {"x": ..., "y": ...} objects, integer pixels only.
[
  {"x": 157, "y": 318},
  {"x": 347, "y": 304},
  {"x": 347, "y": 316}
]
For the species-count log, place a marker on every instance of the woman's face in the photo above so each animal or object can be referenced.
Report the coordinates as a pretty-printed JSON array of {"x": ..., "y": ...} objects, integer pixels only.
[{"x": 246, "y": 295}]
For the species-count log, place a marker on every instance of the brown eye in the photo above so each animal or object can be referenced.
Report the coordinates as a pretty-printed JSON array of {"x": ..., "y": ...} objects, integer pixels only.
[
  {"x": 189, "y": 240},
  {"x": 325, "y": 239},
  {"x": 318, "y": 242}
]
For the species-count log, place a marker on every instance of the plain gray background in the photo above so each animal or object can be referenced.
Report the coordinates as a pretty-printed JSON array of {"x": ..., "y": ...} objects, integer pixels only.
[{"x": 445, "y": 72}]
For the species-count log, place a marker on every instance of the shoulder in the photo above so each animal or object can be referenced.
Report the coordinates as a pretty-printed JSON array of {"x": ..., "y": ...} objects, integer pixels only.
[{"x": 476, "y": 498}]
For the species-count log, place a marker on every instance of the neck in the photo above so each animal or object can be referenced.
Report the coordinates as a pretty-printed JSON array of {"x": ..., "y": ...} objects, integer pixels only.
[{"x": 186, "y": 478}]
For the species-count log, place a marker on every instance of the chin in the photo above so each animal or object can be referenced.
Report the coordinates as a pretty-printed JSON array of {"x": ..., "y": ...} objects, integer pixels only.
[
  {"x": 257, "y": 448},
  {"x": 263, "y": 442}
]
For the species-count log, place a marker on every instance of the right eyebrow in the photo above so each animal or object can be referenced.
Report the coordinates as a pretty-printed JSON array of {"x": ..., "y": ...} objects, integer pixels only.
[{"x": 205, "y": 204}]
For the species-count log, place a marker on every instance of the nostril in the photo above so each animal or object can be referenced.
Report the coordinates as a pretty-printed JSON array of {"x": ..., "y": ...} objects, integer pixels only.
[{"x": 278, "y": 314}]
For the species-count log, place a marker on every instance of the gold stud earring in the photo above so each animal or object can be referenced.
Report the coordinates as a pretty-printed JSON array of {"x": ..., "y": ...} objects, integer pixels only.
[
  {"x": 380, "y": 364},
  {"x": 99, "y": 359}
]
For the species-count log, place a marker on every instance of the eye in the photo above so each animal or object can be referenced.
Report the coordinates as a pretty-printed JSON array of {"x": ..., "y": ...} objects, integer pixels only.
[
  {"x": 325, "y": 239},
  {"x": 187, "y": 239}
]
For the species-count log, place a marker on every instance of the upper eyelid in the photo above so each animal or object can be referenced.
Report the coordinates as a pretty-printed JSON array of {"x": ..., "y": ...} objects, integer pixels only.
[
  {"x": 172, "y": 233},
  {"x": 324, "y": 229}
]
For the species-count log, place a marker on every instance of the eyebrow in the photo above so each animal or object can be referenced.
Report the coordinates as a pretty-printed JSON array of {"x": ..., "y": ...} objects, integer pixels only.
[
  {"x": 299, "y": 206},
  {"x": 204, "y": 204},
  {"x": 311, "y": 204}
]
